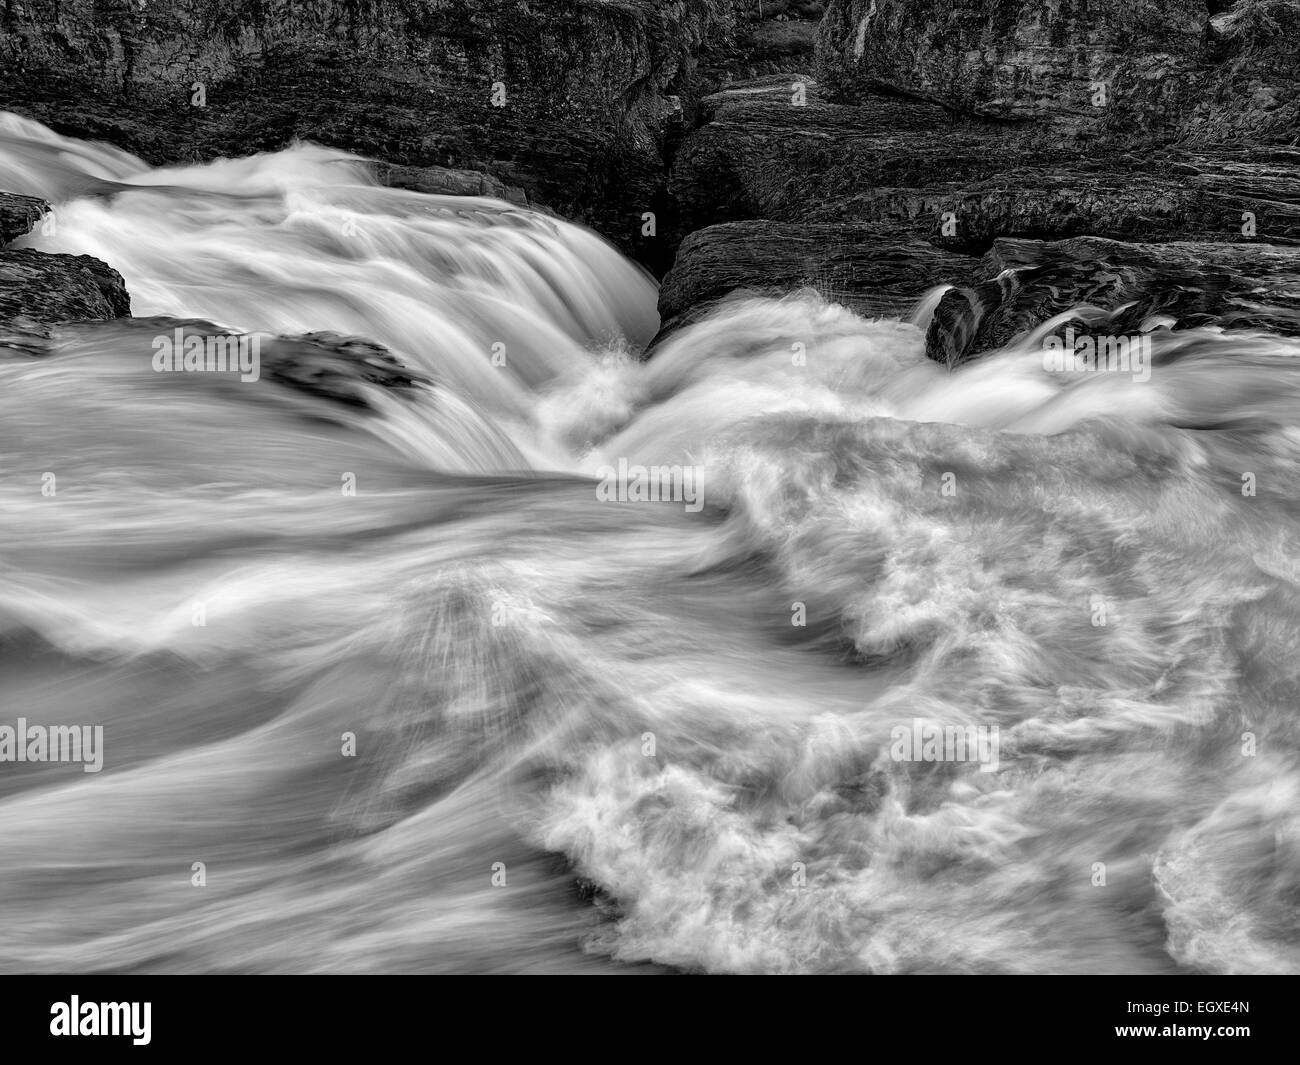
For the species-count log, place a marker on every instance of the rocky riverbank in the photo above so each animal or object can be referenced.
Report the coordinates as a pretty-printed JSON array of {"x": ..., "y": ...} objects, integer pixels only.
[
  {"x": 930, "y": 138},
  {"x": 1140, "y": 155},
  {"x": 571, "y": 101}
]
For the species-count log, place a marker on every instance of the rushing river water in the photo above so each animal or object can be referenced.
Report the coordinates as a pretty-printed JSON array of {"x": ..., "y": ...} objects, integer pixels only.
[{"x": 595, "y": 733}]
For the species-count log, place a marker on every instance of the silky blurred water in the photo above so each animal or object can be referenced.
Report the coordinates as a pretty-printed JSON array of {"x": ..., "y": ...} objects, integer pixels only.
[{"x": 620, "y": 736}]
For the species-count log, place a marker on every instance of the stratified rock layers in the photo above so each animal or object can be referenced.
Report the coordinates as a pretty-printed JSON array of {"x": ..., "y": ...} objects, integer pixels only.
[
  {"x": 568, "y": 100},
  {"x": 1009, "y": 130}
]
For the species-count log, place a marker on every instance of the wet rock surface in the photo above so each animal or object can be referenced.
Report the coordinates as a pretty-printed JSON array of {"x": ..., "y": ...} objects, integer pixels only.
[
  {"x": 875, "y": 270},
  {"x": 867, "y": 149},
  {"x": 1021, "y": 284},
  {"x": 1012, "y": 132},
  {"x": 570, "y": 101},
  {"x": 18, "y": 214},
  {"x": 38, "y": 289}
]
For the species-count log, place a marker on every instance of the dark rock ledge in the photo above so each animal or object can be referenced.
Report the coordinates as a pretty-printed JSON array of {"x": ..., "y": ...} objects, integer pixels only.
[
  {"x": 873, "y": 269},
  {"x": 1140, "y": 157},
  {"x": 1022, "y": 283},
  {"x": 18, "y": 214},
  {"x": 39, "y": 289}
]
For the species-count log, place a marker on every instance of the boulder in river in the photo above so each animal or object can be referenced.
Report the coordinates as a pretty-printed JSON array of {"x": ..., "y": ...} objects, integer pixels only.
[
  {"x": 38, "y": 289},
  {"x": 1023, "y": 283}
]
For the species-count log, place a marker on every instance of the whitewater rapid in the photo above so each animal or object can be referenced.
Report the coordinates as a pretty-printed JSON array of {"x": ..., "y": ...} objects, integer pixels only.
[{"x": 589, "y": 734}]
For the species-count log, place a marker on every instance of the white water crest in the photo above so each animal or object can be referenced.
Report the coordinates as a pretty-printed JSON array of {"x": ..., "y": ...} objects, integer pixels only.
[{"x": 597, "y": 735}]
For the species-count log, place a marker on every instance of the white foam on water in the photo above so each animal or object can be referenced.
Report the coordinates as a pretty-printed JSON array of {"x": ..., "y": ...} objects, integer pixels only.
[{"x": 692, "y": 713}]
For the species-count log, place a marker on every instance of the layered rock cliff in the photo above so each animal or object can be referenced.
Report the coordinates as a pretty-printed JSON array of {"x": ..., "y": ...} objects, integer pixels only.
[
  {"x": 886, "y": 147},
  {"x": 953, "y": 126},
  {"x": 38, "y": 290},
  {"x": 571, "y": 100}
]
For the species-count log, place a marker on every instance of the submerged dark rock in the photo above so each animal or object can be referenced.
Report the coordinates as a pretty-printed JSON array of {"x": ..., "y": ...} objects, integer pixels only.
[
  {"x": 334, "y": 367},
  {"x": 326, "y": 365}
]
